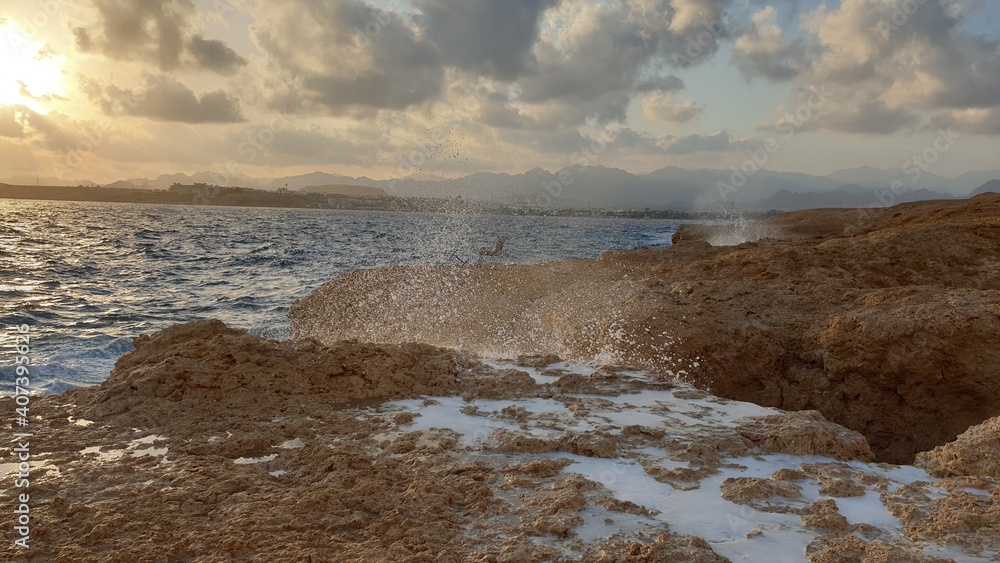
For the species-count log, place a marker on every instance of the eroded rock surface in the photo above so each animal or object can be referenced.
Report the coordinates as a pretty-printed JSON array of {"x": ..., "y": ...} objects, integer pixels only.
[
  {"x": 210, "y": 444},
  {"x": 885, "y": 321},
  {"x": 975, "y": 453}
]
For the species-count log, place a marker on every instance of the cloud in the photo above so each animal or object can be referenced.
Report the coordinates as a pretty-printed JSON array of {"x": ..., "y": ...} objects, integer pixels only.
[
  {"x": 153, "y": 32},
  {"x": 25, "y": 93},
  {"x": 13, "y": 121},
  {"x": 172, "y": 101},
  {"x": 488, "y": 37},
  {"x": 571, "y": 61},
  {"x": 598, "y": 56},
  {"x": 148, "y": 31},
  {"x": 716, "y": 142},
  {"x": 659, "y": 108},
  {"x": 215, "y": 55},
  {"x": 888, "y": 70},
  {"x": 979, "y": 121},
  {"x": 721, "y": 141},
  {"x": 501, "y": 113},
  {"x": 659, "y": 83},
  {"x": 307, "y": 146},
  {"x": 165, "y": 99},
  {"x": 763, "y": 52},
  {"x": 53, "y": 131},
  {"x": 345, "y": 57},
  {"x": 841, "y": 109}
]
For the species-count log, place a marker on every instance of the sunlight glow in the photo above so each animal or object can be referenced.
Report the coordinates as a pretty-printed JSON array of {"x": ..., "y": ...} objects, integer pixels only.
[{"x": 30, "y": 76}]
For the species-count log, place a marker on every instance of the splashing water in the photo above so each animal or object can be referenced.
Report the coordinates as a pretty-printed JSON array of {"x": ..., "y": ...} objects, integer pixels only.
[
  {"x": 89, "y": 277},
  {"x": 741, "y": 230}
]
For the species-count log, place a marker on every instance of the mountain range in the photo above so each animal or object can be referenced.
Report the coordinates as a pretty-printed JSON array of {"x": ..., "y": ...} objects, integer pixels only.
[
  {"x": 600, "y": 186},
  {"x": 991, "y": 186}
]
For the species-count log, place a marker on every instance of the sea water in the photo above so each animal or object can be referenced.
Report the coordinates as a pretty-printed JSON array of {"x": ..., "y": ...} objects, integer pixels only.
[{"x": 89, "y": 277}]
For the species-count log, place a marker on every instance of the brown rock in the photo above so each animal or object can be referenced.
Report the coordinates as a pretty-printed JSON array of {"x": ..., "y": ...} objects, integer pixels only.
[
  {"x": 667, "y": 547},
  {"x": 823, "y": 514},
  {"x": 841, "y": 488},
  {"x": 747, "y": 490},
  {"x": 206, "y": 365},
  {"x": 851, "y": 549},
  {"x": 805, "y": 433},
  {"x": 975, "y": 453},
  {"x": 884, "y": 320}
]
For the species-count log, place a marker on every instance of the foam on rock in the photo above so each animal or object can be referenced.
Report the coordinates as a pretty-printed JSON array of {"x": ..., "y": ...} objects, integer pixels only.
[{"x": 242, "y": 448}]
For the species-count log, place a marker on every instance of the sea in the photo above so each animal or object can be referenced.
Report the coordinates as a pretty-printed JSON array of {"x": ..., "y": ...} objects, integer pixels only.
[{"x": 89, "y": 277}]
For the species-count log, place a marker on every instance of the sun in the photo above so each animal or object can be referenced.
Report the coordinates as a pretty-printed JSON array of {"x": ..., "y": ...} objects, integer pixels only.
[{"x": 30, "y": 75}]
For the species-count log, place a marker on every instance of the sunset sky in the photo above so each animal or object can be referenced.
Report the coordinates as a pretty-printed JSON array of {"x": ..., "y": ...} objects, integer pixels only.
[{"x": 109, "y": 89}]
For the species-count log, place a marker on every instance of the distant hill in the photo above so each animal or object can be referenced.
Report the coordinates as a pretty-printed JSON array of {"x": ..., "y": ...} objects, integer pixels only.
[
  {"x": 317, "y": 179},
  {"x": 164, "y": 181},
  {"x": 345, "y": 189},
  {"x": 877, "y": 177},
  {"x": 971, "y": 180},
  {"x": 123, "y": 184},
  {"x": 848, "y": 196},
  {"x": 44, "y": 181},
  {"x": 991, "y": 186},
  {"x": 612, "y": 188}
]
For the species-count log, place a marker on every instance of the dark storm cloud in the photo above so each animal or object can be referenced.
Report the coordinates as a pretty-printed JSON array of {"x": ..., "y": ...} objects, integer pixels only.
[
  {"x": 156, "y": 32},
  {"x": 172, "y": 101},
  {"x": 488, "y": 37},
  {"x": 149, "y": 30},
  {"x": 345, "y": 55},
  {"x": 377, "y": 89},
  {"x": 605, "y": 59},
  {"x": 349, "y": 57},
  {"x": 165, "y": 100},
  {"x": 619, "y": 49},
  {"x": 215, "y": 55}
]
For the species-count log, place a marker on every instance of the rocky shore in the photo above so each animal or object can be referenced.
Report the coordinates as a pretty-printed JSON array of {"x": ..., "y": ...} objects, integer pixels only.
[
  {"x": 209, "y": 444},
  {"x": 821, "y": 386},
  {"x": 886, "y": 321}
]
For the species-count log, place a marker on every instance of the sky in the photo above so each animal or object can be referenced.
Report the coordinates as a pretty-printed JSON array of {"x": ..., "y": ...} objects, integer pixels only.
[{"x": 103, "y": 90}]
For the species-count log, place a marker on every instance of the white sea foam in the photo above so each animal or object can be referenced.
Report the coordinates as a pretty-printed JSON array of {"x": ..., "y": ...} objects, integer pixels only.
[{"x": 736, "y": 531}]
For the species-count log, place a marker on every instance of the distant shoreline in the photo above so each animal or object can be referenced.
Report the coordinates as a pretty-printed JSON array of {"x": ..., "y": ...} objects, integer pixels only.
[{"x": 300, "y": 200}]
